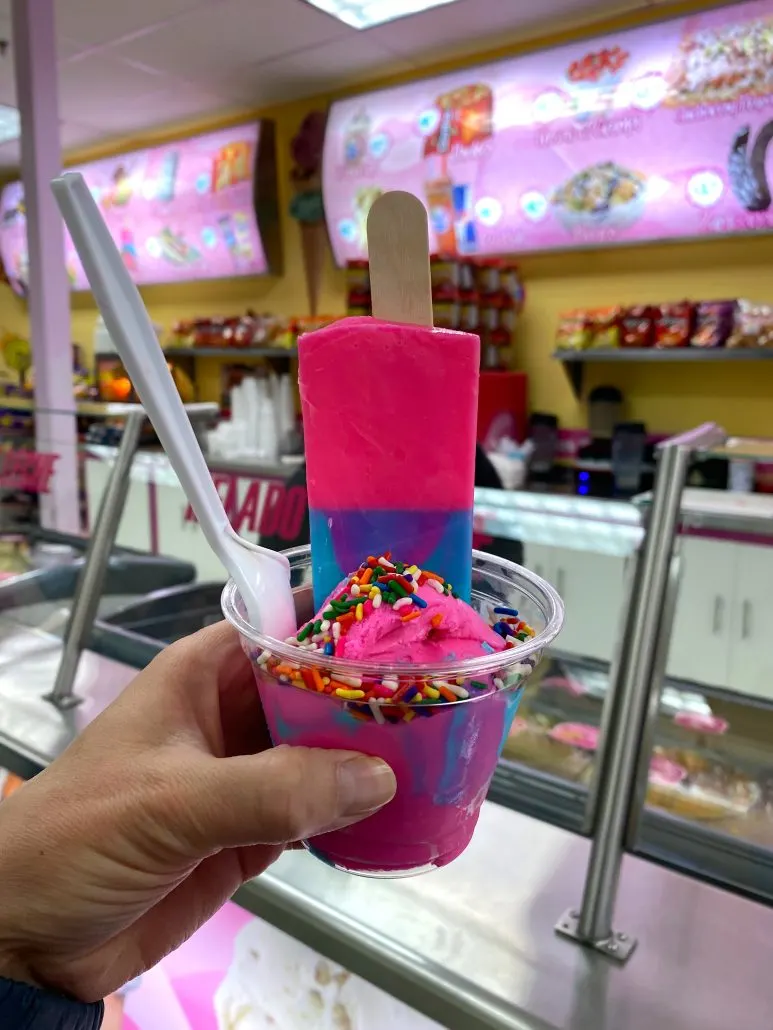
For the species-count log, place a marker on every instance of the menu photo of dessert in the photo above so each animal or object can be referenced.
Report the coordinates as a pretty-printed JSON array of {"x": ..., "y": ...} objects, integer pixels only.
[
  {"x": 354, "y": 229},
  {"x": 720, "y": 64},
  {"x": 173, "y": 247},
  {"x": 605, "y": 194},
  {"x": 593, "y": 80},
  {"x": 465, "y": 116}
]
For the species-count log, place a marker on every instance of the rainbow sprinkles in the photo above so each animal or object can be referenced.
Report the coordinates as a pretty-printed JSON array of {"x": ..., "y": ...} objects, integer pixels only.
[{"x": 401, "y": 695}]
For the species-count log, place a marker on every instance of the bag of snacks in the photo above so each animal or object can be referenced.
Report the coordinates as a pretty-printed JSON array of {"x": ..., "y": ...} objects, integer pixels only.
[
  {"x": 637, "y": 327},
  {"x": 605, "y": 328},
  {"x": 573, "y": 332},
  {"x": 713, "y": 323},
  {"x": 752, "y": 325},
  {"x": 673, "y": 324}
]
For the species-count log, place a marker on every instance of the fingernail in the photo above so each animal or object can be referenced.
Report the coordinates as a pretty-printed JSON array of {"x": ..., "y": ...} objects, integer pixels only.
[{"x": 364, "y": 784}]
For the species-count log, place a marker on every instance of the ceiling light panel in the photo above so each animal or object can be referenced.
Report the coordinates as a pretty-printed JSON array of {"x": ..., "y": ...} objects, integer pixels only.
[{"x": 364, "y": 14}]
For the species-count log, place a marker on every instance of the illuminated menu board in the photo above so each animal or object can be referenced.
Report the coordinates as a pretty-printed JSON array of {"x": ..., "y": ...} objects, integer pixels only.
[
  {"x": 199, "y": 208},
  {"x": 657, "y": 133}
]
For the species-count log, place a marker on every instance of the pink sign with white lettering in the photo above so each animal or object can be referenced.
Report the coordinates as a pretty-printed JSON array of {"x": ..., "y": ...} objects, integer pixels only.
[
  {"x": 657, "y": 133},
  {"x": 177, "y": 212}
]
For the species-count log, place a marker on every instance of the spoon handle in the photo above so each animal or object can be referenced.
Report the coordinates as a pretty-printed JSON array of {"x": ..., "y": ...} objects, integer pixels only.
[{"x": 131, "y": 330}]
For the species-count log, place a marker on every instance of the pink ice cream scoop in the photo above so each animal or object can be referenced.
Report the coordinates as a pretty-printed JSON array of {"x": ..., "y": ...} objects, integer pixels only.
[{"x": 427, "y": 627}]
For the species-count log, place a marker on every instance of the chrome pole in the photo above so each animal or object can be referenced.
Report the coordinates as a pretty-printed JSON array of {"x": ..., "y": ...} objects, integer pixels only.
[
  {"x": 629, "y": 696},
  {"x": 92, "y": 577}
]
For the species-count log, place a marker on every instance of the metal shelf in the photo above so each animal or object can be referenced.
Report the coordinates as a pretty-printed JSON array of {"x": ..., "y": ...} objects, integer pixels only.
[
  {"x": 231, "y": 353},
  {"x": 101, "y": 409},
  {"x": 574, "y": 361}
]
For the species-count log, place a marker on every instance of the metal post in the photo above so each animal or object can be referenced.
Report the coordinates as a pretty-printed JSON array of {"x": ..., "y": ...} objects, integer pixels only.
[
  {"x": 629, "y": 695},
  {"x": 91, "y": 580},
  {"x": 35, "y": 63},
  {"x": 639, "y": 793}
]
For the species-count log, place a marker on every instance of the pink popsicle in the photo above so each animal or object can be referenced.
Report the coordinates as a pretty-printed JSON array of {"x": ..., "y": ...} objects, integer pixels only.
[{"x": 389, "y": 412}]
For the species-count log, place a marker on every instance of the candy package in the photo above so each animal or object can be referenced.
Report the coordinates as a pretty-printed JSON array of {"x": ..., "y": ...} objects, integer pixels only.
[
  {"x": 637, "y": 326},
  {"x": 445, "y": 275},
  {"x": 446, "y": 313},
  {"x": 752, "y": 325},
  {"x": 513, "y": 285},
  {"x": 488, "y": 275},
  {"x": 673, "y": 324},
  {"x": 574, "y": 331},
  {"x": 358, "y": 276},
  {"x": 470, "y": 310},
  {"x": 713, "y": 323},
  {"x": 605, "y": 328}
]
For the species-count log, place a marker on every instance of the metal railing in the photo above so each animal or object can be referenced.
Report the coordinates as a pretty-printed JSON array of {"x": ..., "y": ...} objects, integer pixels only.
[
  {"x": 89, "y": 588},
  {"x": 634, "y": 694}
]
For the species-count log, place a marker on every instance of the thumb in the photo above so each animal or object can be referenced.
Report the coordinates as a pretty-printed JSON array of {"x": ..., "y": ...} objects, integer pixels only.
[{"x": 283, "y": 795}]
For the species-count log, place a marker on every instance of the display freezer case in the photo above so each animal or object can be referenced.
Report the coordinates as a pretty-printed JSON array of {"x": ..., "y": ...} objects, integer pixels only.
[{"x": 707, "y": 790}]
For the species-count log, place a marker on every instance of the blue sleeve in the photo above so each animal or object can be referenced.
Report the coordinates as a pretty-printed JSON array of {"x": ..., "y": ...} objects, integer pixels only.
[{"x": 27, "y": 1008}]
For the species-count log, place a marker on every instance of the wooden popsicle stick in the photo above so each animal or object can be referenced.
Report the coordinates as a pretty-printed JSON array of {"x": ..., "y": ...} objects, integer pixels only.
[{"x": 398, "y": 251}]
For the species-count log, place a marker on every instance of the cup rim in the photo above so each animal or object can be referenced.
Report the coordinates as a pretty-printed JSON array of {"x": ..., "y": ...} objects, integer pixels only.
[{"x": 467, "y": 667}]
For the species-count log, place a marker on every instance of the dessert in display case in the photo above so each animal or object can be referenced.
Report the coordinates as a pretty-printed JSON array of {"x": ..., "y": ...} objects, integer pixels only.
[
  {"x": 198, "y": 208},
  {"x": 655, "y": 133}
]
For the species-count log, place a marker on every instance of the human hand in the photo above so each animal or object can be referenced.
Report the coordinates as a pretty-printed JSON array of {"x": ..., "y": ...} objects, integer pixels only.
[{"x": 149, "y": 822}]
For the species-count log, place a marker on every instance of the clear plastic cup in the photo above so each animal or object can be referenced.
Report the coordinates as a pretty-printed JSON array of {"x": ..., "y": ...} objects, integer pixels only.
[{"x": 443, "y": 753}]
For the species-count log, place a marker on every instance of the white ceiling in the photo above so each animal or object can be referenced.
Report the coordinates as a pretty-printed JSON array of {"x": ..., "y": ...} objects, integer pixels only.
[{"x": 128, "y": 66}]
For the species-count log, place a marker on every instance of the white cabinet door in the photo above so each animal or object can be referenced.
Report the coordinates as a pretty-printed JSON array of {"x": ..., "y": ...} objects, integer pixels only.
[
  {"x": 592, "y": 586},
  {"x": 751, "y": 647},
  {"x": 700, "y": 641},
  {"x": 539, "y": 558}
]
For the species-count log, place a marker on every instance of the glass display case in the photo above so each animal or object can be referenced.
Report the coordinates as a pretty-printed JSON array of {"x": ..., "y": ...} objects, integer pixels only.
[{"x": 707, "y": 789}]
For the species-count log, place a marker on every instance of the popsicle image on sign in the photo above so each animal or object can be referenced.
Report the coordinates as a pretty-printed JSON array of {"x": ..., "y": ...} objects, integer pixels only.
[{"x": 389, "y": 411}]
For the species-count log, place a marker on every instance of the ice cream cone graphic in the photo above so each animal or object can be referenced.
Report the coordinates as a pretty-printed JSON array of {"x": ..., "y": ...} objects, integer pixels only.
[
  {"x": 313, "y": 244},
  {"x": 306, "y": 205}
]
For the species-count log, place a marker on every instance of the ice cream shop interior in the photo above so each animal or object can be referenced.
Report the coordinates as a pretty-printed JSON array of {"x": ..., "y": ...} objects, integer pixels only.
[{"x": 467, "y": 305}]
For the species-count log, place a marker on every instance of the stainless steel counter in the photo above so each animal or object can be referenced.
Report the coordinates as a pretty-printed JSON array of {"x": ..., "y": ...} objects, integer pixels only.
[
  {"x": 32, "y": 731},
  {"x": 473, "y": 945}
]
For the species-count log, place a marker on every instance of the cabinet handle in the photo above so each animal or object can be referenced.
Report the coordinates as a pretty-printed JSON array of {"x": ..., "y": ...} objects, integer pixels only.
[
  {"x": 746, "y": 620},
  {"x": 719, "y": 612},
  {"x": 560, "y": 581}
]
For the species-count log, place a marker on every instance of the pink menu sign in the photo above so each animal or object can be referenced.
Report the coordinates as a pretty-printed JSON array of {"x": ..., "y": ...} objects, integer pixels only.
[
  {"x": 656, "y": 133},
  {"x": 183, "y": 211}
]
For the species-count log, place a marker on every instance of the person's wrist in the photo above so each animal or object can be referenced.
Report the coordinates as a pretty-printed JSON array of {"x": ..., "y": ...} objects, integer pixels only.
[{"x": 13, "y": 967}]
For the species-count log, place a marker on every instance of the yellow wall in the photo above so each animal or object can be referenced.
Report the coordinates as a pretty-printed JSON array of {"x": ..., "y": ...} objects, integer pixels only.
[{"x": 668, "y": 397}]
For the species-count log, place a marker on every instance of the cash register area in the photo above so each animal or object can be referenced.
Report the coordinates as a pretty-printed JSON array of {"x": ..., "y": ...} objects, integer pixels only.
[{"x": 598, "y": 186}]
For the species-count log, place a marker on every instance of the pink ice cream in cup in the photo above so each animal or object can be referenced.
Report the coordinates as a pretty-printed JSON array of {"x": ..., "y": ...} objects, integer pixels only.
[{"x": 417, "y": 677}]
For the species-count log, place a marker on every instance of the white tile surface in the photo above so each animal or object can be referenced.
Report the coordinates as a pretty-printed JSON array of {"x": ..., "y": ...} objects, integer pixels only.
[
  {"x": 94, "y": 22},
  {"x": 232, "y": 33},
  {"x": 320, "y": 68},
  {"x": 461, "y": 27}
]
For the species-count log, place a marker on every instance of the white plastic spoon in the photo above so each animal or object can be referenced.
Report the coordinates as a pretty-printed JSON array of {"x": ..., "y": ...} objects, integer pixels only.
[{"x": 262, "y": 576}]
